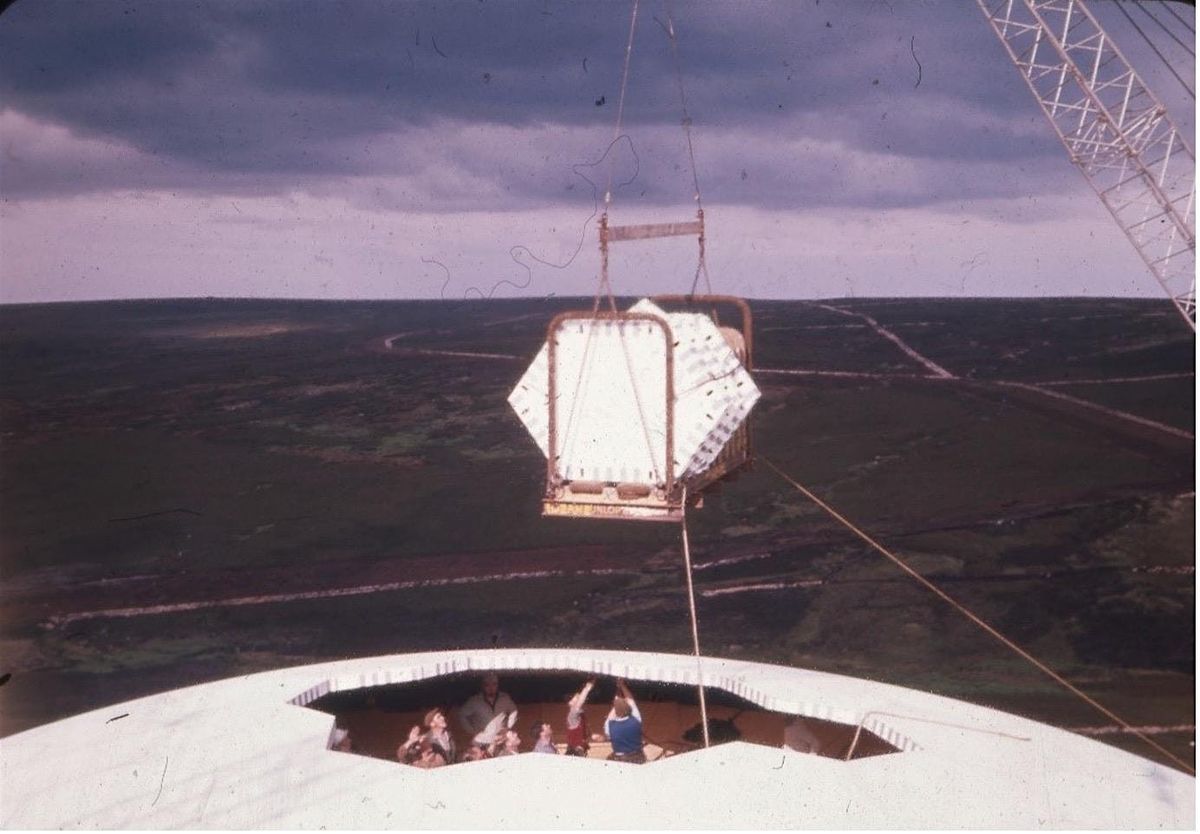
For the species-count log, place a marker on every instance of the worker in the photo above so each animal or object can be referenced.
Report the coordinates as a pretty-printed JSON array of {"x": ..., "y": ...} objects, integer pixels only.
[
  {"x": 543, "y": 737},
  {"x": 436, "y": 731},
  {"x": 624, "y": 727},
  {"x": 577, "y": 729},
  {"x": 485, "y": 705}
]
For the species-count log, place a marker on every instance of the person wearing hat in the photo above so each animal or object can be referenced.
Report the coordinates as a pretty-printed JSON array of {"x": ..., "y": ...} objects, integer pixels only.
[
  {"x": 485, "y": 705},
  {"x": 435, "y": 737},
  {"x": 624, "y": 727}
]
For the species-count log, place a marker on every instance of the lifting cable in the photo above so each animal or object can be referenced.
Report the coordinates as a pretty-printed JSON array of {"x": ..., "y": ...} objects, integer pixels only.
[
  {"x": 701, "y": 268},
  {"x": 1170, "y": 34},
  {"x": 1167, "y": 5},
  {"x": 604, "y": 287},
  {"x": 1150, "y": 43},
  {"x": 604, "y": 290},
  {"x": 686, "y": 121},
  {"x": 962, "y": 609}
]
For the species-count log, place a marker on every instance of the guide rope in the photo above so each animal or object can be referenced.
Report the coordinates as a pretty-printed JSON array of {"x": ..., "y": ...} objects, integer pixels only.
[
  {"x": 962, "y": 609},
  {"x": 687, "y": 563}
]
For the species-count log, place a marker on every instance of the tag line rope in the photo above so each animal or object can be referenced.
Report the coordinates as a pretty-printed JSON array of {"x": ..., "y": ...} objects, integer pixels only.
[
  {"x": 687, "y": 563},
  {"x": 962, "y": 609}
]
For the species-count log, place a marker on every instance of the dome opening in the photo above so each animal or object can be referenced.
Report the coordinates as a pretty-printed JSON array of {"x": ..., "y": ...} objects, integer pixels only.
[{"x": 377, "y": 719}]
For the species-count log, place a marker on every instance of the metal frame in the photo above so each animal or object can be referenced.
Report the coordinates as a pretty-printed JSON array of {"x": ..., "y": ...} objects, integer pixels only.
[
  {"x": 738, "y": 453},
  {"x": 564, "y": 497},
  {"x": 740, "y": 303},
  {"x": 1115, "y": 130},
  {"x": 615, "y": 501},
  {"x": 645, "y": 231}
]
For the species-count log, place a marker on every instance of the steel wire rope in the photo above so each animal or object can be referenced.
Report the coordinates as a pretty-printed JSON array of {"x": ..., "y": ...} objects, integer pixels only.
[
  {"x": 515, "y": 250},
  {"x": 575, "y": 169},
  {"x": 970, "y": 615},
  {"x": 1161, "y": 57},
  {"x": 702, "y": 264},
  {"x": 621, "y": 100},
  {"x": 605, "y": 287},
  {"x": 1166, "y": 5},
  {"x": 568, "y": 435},
  {"x": 581, "y": 391},
  {"x": 1163, "y": 26},
  {"x": 687, "y": 562},
  {"x": 637, "y": 399}
]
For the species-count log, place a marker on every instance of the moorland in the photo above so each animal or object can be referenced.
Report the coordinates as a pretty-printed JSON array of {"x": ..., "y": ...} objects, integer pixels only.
[{"x": 195, "y": 489}]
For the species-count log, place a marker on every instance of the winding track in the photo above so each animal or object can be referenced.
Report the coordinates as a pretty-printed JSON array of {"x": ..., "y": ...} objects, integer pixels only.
[{"x": 532, "y": 570}]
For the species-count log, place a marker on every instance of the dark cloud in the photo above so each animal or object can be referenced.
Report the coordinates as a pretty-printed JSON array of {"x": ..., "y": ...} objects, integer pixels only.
[
  {"x": 49, "y": 48},
  {"x": 263, "y": 96}
]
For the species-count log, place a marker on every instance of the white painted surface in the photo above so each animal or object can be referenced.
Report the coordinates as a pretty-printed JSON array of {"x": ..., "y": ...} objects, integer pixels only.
[
  {"x": 240, "y": 754},
  {"x": 611, "y": 397},
  {"x": 713, "y": 391}
]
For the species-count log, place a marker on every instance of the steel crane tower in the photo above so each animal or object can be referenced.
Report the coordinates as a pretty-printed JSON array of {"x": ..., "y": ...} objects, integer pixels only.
[{"x": 1115, "y": 131}]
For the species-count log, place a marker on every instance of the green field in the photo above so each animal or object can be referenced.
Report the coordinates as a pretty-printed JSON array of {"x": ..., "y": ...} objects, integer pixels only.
[{"x": 178, "y": 451}]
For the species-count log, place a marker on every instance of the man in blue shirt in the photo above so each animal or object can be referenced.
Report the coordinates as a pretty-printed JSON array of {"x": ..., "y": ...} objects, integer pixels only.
[{"x": 624, "y": 727}]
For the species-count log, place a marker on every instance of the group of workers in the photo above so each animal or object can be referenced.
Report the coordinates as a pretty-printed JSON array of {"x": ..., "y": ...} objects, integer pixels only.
[{"x": 489, "y": 717}]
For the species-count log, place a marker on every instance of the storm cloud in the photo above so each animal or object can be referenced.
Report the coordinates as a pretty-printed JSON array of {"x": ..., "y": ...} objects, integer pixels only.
[
  {"x": 482, "y": 106},
  {"x": 346, "y": 88}
]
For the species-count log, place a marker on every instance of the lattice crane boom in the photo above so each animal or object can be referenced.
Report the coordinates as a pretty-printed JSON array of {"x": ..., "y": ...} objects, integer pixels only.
[{"x": 1115, "y": 131}]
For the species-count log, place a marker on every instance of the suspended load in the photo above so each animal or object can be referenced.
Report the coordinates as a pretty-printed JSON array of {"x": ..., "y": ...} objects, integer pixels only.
[{"x": 638, "y": 411}]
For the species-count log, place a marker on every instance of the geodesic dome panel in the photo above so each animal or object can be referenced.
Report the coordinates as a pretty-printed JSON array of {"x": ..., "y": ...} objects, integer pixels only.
[
  {"x": 611, "y": 393},
  {"x": 611, "y": 400},
  {"x": 713, "y": 391}
]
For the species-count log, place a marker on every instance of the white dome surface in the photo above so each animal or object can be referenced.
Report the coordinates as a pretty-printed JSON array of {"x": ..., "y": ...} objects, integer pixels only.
[{"x": 244, "y": 753}]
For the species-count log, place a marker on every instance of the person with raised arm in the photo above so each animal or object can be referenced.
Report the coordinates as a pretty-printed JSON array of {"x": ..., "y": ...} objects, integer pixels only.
[
  {"x": 577, "y": 729},
  {"x": 437, "y": 731},
  {"x": 624, "y": 727}
]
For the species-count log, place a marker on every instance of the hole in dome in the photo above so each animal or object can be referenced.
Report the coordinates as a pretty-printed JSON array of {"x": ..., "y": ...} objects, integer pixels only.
[{"x": 373, "y": 721}]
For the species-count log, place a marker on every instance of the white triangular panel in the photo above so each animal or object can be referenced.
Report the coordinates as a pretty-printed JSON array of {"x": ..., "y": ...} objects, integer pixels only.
[
  {"x": 611, "y": 418},
  {"x": 530, "y": 399},
  {"x": 611, "y": 392},
  {"x": 713, "y": 392}
]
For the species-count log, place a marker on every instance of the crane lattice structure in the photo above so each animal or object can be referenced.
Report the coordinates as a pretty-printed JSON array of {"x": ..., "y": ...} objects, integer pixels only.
[{"x": 1115, "y": 130}]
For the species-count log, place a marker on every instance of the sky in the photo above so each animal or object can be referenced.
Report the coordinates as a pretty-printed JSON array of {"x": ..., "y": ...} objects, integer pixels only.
[{"x": 343, "y": 149}]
